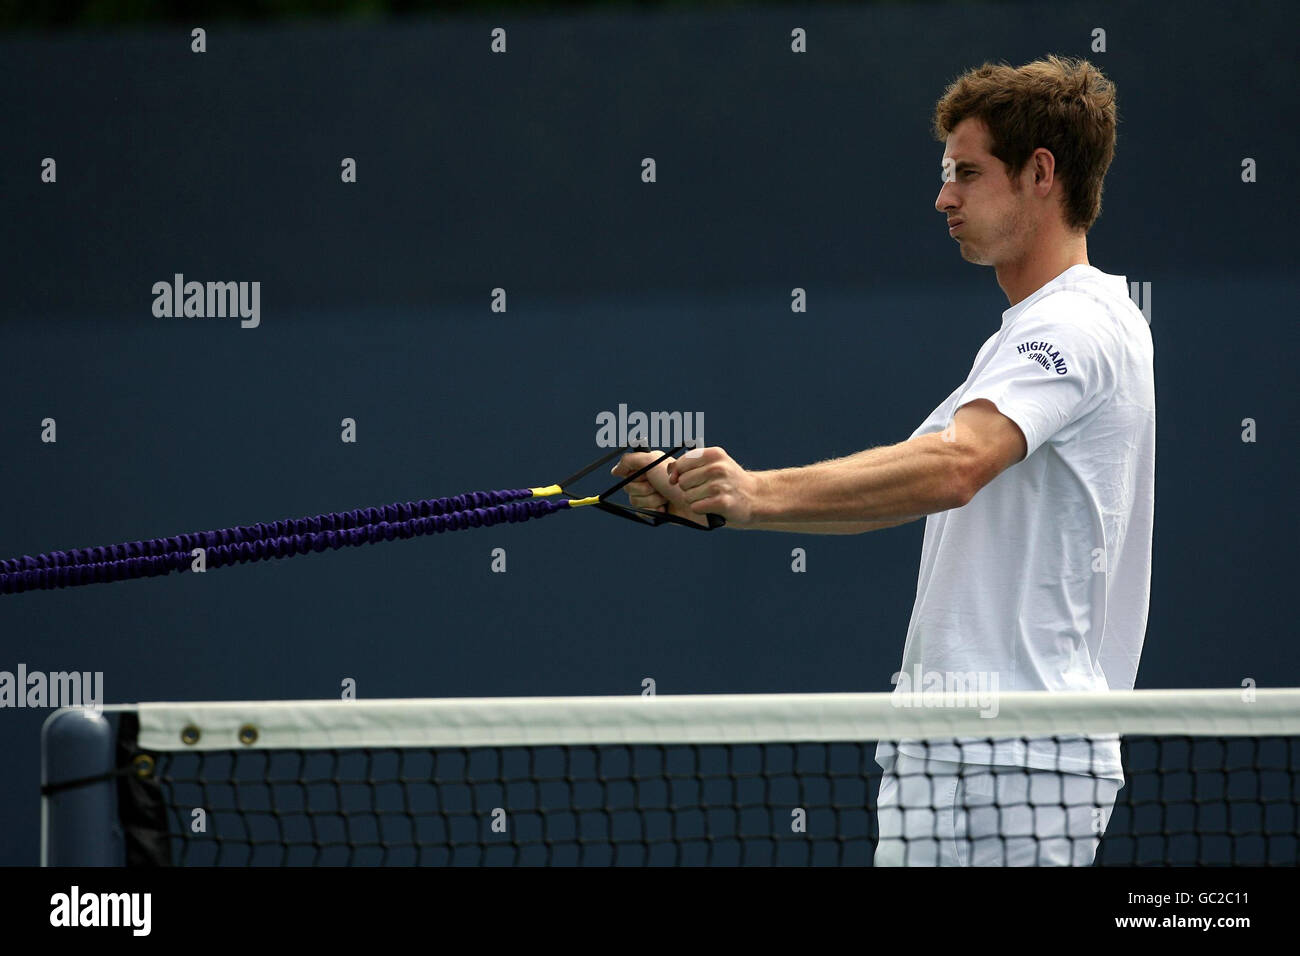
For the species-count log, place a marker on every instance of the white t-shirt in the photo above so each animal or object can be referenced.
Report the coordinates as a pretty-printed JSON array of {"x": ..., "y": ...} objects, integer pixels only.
[{"x": 1043, "y": 579}]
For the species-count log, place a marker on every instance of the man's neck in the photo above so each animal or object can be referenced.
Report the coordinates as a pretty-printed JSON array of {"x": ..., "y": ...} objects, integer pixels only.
[{"x": 1021, "y": 279}]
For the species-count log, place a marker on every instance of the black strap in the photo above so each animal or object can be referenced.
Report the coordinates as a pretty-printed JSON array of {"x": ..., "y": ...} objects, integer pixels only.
[
  {"x": 49, "y": 789},
  {"x": 140, "y": 805}
]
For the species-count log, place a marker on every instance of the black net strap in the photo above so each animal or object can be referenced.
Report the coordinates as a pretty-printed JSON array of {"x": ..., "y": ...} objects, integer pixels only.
[{"x": 142, "y": 809}]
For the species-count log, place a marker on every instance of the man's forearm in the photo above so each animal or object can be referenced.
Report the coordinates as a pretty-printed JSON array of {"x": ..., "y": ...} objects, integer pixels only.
[
  {"x": 828, "y": 527},
  {"x": 917, "y": 477}
]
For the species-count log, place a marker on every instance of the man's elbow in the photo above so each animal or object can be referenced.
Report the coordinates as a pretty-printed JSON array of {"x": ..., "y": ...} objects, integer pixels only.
[
  {"x": 966, "y": 475},
  {"x": 953, "y": 491}
]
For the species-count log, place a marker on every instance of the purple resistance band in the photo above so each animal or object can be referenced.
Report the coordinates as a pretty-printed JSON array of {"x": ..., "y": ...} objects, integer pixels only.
[
  {"x": 278, "y": 539},
  {"x": 325, "y": 532}
]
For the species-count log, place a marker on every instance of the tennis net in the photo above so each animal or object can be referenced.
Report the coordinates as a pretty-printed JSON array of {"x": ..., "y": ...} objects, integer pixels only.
[{"x": 1209, "y": 778}]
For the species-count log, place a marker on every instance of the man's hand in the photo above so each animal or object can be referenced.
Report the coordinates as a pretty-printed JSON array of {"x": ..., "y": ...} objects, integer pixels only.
[
  {"x": 653, "y": 490},
  {"x": 713, "y": 483}
]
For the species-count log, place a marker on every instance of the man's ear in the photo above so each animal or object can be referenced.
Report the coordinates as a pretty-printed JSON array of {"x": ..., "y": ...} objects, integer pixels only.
[{"x": 1044, "y": 167}]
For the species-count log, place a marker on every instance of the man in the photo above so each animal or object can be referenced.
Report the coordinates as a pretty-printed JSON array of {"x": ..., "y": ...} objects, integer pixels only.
[{"x": 1036, "y": 476}]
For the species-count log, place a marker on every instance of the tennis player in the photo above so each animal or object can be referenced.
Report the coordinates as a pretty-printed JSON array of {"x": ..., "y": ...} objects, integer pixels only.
[{"x": 1036, "y": 478}]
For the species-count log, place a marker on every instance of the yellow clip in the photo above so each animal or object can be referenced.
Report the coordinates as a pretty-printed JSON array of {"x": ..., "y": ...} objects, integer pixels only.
[{"x": 547, "y": 491}]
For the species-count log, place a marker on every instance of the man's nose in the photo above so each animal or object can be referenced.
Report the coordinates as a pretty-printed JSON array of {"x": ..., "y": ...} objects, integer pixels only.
[{"x": 947, "y": 198}]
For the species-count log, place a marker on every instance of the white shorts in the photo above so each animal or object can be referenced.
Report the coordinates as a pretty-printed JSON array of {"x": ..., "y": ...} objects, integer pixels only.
[{"x": 940, "y": 813}]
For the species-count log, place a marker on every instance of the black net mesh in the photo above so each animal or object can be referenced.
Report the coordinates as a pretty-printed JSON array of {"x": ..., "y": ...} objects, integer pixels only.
[{"x": 1192, "y": 801}]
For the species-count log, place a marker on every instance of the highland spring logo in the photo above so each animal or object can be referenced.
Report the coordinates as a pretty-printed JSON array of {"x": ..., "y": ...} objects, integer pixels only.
[{"x": 657, "y": 430}]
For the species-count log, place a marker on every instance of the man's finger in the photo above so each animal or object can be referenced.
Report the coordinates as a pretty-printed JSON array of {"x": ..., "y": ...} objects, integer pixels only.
[
  {"x": 699, "y": 476},
  {"x": 692, "y": 459},
  {"x": 632, "y": 462}
]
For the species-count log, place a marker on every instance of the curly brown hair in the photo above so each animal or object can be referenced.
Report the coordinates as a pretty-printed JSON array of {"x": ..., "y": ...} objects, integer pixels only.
[{"x": 1064, "y": 105}]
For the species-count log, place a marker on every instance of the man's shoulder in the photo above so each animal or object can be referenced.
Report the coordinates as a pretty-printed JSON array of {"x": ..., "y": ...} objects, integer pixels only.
[{"x": 1094, "y": 308}]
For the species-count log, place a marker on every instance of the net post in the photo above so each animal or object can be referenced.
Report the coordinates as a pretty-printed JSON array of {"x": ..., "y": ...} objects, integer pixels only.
[{"x": 78, "y": 824}]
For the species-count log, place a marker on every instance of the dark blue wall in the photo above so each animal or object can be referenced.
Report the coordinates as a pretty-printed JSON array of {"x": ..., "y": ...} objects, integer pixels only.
[{"x": 522, "y": 171}]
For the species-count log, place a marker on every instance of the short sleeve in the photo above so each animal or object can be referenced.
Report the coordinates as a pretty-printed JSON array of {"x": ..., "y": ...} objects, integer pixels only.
[{"x": 1048, "y": 373}]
